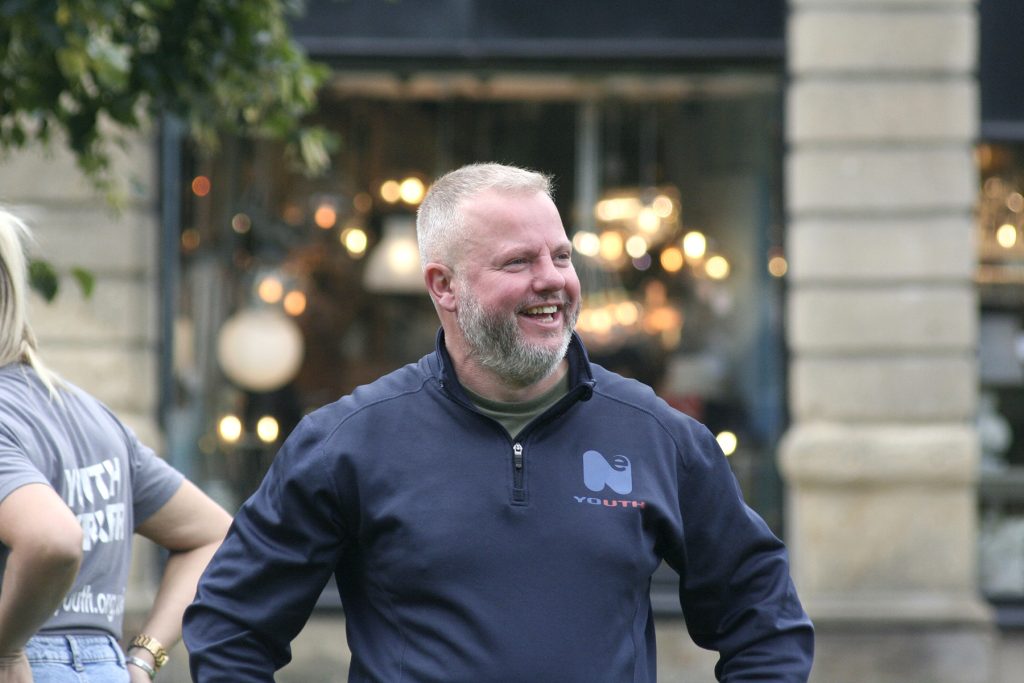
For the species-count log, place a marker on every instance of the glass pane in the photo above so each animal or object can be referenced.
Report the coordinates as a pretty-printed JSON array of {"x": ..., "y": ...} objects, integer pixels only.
[{"x": 280, "y": 309}]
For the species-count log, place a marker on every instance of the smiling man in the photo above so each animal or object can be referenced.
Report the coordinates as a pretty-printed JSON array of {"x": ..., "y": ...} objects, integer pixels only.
[{"x": 494, "y": 512}]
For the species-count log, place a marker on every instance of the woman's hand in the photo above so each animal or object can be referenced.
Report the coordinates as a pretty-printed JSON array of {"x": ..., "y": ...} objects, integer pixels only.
[
  {"x": 15, "y": 669},
  {"x": 136, "y": 675}
]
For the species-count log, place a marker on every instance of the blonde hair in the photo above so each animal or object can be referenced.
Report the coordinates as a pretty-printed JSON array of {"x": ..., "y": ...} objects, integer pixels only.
[
  {"x": 439, "y": 220},
  {"x": 17, "y": 341}
]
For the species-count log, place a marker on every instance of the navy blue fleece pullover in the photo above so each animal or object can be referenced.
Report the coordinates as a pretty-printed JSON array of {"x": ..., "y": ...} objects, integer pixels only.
[{"x": 463, "y": 555}]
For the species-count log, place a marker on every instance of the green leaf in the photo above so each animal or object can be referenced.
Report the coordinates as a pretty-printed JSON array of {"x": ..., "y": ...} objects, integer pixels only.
[
  {"x": 43, "y": 278},
  {"x": 86, "y": 280}
]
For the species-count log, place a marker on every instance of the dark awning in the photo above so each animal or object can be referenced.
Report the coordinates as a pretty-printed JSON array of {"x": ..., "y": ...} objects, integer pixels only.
[
  {"x": 595, "y": 33},
  {"x": 1001, "y": 69},
  {"x": 534, "y": 30}
]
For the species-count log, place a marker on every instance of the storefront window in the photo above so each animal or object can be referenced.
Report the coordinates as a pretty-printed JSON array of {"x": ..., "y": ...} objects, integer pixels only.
[
  {"x": 294, "y": 290},
  {"x": 1000, "y": 282}
]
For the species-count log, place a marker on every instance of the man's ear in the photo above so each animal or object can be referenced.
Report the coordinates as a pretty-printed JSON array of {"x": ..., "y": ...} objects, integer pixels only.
[{"x": 440, "y": 281}]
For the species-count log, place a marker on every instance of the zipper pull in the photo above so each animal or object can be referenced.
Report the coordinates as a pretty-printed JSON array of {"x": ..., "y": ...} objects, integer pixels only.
[{"x": 517, "y": 456}]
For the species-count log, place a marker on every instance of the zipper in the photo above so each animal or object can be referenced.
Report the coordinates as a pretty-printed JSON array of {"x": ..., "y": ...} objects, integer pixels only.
[{"x": 518, "y": 490}]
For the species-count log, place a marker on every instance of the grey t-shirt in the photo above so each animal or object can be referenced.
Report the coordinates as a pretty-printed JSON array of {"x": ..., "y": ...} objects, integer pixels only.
[{"x": 99, "y": 468}]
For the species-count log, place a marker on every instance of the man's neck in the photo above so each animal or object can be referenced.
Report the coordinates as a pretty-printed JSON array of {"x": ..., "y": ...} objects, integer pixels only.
[{"x": 485, "y": 383}]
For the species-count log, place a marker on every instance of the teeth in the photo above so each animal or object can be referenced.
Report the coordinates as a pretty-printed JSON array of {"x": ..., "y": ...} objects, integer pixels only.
[{"x": 541, "y": 310}]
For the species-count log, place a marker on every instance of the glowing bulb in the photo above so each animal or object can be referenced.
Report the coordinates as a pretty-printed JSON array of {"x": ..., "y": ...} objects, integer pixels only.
[
  {"x": 671, "y": 259},
  {"x": 190, "y": 239},
  {"x": 411, "y": 190},
  {"x": 270, "y": 289},
  {"x": 601, "y": 321},
  {"x": 294, "y": 302},
  {"x": 647, "y": 220},
  {"x": 230, "y": 428},
  {"x": 390, "y": 191},
  {"x": 241, "y": 223},
  {"x": 325, "y": 216},
  {"x": 727, "y": 441},
  {"x": 403, "y": 257},
  {"x": 267, "y": 429},
  {"x": 626, "y": 313},
  {"x": 610, "y": 245},
  {"x": 1006, "y": 235},
  {"x": 201, "y": 186},
  {"x": 355, "y": 241},
  {"x": 587, "y": 243},
  {"x": 617, "y": 209},
  {"x": 694, "y": 245},
  {"x": 717, "y": 268},
  {"x": 777, "y": 266},
  {"x": 1015, "y": 202},
  {"x": 636, "y": 246},
  {"x": 662, "y": 206}
]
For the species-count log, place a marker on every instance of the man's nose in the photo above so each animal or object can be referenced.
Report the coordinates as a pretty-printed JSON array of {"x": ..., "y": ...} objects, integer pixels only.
[{"x": 547, "y": 276}]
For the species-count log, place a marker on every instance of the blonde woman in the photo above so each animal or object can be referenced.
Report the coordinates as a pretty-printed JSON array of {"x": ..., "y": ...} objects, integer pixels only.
[{"x": 75, "y": 485}]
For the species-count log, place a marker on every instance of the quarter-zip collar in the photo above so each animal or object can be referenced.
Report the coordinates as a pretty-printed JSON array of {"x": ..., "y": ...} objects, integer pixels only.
[{"x": 581, "y": 379}]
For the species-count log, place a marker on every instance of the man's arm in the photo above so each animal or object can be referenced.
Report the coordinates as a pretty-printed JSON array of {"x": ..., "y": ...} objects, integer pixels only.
[
  {"x": 735, "y": 587},
  {"x": 191, "y": 526},
  {"x": 263, "y": 582},
  {"x": 45, "y": 542}
]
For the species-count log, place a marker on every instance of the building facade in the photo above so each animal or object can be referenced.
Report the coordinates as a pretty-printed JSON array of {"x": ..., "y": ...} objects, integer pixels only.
[{"x": 780, "y": 210}]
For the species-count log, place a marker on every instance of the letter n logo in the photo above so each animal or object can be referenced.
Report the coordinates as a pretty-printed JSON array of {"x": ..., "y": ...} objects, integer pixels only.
[{"x": 599, "y": 473}]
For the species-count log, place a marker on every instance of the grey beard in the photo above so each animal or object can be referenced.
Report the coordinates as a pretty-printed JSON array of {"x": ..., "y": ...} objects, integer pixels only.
[{"x": 496, "y": 343}]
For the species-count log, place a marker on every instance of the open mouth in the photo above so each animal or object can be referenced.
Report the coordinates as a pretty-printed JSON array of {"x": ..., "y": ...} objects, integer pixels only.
[{"x": 544, "y": 313}]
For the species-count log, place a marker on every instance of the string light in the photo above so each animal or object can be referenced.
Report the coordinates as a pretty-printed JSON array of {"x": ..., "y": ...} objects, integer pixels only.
[
  {"x": 717, "y": 268},
  {"x": 267, "y": 429},
  {"x": 1006, "y": 235},
  {"x": 390, "y": 191},
  {"x": 727, "y": 441},
  {"x": 200, "y": 186},
  {"x": 672, "y": 259},
  {"x": 694, "y": 245},
  {"x": 411, "y": 190},
  {"x": 778, "y": 266},
  {"x": 355, "y": 241},
  {"x": 230, "y": 428},
  {"x": 294, "y": 302},
  {"x": 270, "y": 289},
  {"x": 241, "y": 223},
  {"x": 325, "y": 216}
]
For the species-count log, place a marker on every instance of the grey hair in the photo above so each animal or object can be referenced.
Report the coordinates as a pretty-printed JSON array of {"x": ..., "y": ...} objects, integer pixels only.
[
  {"x": 440, "y": 222},
  {"x": 17, "y": 341}
]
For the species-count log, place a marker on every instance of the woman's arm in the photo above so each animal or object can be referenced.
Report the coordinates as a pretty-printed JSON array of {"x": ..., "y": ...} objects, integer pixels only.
[
  {"x": 191, "y": 526},
  {"x": 45, "y": 542}
]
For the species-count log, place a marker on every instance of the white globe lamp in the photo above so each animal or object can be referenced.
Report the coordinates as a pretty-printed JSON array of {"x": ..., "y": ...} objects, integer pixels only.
[{"x": 259, "y": 349}]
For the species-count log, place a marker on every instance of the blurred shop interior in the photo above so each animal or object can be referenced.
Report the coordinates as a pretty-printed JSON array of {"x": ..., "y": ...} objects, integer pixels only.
[{"x": 293, "y": 291}]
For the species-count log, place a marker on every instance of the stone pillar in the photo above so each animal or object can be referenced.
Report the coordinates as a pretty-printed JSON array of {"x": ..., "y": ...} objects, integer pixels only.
[
  {"x": 880, "y": 461},
  {"x": 106, "y": 343}
]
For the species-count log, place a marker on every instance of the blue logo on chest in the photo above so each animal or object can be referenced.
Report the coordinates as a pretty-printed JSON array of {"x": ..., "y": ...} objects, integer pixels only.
[{"x": 599, "y": 473}]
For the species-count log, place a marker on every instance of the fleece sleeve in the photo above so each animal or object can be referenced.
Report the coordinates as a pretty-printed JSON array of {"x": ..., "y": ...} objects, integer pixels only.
[
  {"x": 735, "y": 587},
  {"x": 263, "y": 582}
]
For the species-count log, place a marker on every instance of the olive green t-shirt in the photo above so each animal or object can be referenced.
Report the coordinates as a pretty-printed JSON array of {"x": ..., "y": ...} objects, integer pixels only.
[{"x": 514, "y": 416}]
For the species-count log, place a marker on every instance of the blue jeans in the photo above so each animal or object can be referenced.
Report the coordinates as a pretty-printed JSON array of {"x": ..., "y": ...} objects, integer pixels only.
[{"x": 76, "y": 659}]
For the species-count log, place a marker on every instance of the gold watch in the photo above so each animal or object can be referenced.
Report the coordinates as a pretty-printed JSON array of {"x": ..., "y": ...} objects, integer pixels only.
[{"x": 153, "y": 647}]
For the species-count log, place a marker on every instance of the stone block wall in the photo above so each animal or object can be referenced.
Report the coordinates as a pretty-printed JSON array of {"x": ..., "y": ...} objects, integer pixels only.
[{"x": 880, "y": 460}]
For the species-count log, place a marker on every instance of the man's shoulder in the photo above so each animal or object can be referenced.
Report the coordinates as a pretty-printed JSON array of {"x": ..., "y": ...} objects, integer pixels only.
[
  {"x": 378, "y": 395},
  {"x": 631, "y": 394}
]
